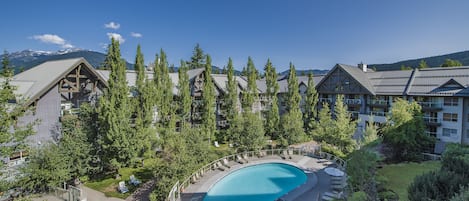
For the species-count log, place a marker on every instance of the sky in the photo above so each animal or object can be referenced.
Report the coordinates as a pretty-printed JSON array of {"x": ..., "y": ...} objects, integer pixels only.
[{"x": 312, "y": 34}]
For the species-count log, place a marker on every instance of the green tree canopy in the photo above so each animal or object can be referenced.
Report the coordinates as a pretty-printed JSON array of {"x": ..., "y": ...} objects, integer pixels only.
[
  {"x": 405, "y": 131},
  {"x": 272, "y": 117},
  {"x": 451, "y": 63}
]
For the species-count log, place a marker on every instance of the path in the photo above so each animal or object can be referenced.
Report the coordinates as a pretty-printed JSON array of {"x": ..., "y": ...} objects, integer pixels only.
[{"x": 94, "y": 195}]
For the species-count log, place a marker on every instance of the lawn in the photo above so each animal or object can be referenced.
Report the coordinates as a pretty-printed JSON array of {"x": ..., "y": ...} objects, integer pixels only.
[
  {"x": 108, "y": 185},
  {"x": 399, "y": 176}
]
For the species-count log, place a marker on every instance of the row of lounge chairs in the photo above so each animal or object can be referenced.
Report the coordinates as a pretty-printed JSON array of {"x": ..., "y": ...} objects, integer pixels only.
[{"x": 337, "y": 185}]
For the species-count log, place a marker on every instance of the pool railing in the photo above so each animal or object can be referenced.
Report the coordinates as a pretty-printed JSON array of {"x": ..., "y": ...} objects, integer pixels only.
[{"x": 174, "y": 194}]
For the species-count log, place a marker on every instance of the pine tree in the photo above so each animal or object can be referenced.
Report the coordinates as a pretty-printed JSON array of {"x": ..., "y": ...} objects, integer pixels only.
[
  {"x": 198, "y": 58},
  {"x": 6, "y": 71},
  {"x": 345, "y": 127},
  {"x": 184, "y": 96},
  {"x": 115, "y": 113},
  {"x": 250, "y": 96},
  {"x": 143, "y": 106},
  {"x": 208, "y": 116},
  {"x": 272, "y": 117},
  {"x": 252, "y": 135},
  {"x": 325, "y": 128},
  {"x": 164, "y": 89},
  {"x": 310, "y": 107},
  {"x": 423, "y": 64},
  {"x": 292, "y": 121},
  {"x": 9, "y": 113},
  {"x": 231, "y": 101}
]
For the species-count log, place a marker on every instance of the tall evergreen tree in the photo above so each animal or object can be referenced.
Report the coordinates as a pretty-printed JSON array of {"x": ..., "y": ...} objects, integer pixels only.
[
  {"x": 292, "y": 121},
  {"x": 7, "y": 71},
  {"x": 115, "y": 113},
  {"x": 345, "y": 127},
  {"x": 325, "y": 128},
  {"x": 310, "y": 107},
  {"x": 164, "y": 89},
  {"x": 250, "y": 96},
  {"x": 252, "y": 136},
  {"x": 184, "y": 96},
  {"x": 231, "y": 101},
  {"x": 143, "y": 106},
  {"x": 272, "y": 117},
  {"x": 208, "y": 116},
  {"x": 9, "y": 113},
  {"x": 198, "y": 58}
]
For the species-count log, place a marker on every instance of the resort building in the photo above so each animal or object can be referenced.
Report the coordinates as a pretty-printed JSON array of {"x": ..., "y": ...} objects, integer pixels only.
[
  {"x": 55, "y": 88},
  {"x": 443, "y": 94}
]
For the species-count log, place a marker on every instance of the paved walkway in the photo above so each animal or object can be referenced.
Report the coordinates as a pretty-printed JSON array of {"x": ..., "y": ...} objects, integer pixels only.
[
  {"x": 94, "y": 195},
  {"x": 317, "y": 183}
]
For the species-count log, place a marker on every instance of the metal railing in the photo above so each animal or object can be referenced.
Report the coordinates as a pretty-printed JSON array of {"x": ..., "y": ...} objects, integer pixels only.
[
  {"x": 379, "y": 114},
  {"x": 430, "y": 104},
  {"x": 329, "y": 100},
  {"x": 351, "y": 101},
  {"x": 432, "y": 119},
  {"x": 378, "y": 102},
  {"x": 174, "y": 194}
]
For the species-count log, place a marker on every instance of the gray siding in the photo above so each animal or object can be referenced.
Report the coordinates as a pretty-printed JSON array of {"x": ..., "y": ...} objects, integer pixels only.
[{"x": 47, "y": 111}]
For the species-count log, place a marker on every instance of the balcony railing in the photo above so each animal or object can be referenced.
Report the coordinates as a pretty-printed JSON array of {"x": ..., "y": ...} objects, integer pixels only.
[
  {"x": 431, "y": 105},
  {"x": 378, "y": 113},
  {"x": 430, "y": 133},
  {"x": 432, "y": 120},
  {"x": 329, "y": 100},
  {"x": 354, "y": 114},
  {"x": 353, "y": 101},
  {"x": 378, "y": 102},
  {"x": 222, "y": 123}
]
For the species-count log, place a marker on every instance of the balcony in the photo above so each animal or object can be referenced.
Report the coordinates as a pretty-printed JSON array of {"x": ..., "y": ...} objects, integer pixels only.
[
  {"x": 222, "y": 123},
  {"x": 197, "y": 103},
  {"x": 432, "y": 121},
  {"x": 378, "y": 113},
  {"x": 328, "y": 100},
  {"x": 430, "y": 133},
  {"x": 354, "y": 101},
  {"x": 431, "y": 106},
  {"x": 354, "y": 114},
  {"x": 379, "y": 103}
]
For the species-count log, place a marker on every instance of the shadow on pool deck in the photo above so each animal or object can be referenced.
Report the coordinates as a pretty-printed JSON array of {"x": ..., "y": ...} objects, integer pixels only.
[{"x": 317, "y": 183}]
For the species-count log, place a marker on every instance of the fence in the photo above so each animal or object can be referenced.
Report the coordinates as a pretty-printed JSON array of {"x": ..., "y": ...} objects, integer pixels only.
[{"x": 174, "y": 194}]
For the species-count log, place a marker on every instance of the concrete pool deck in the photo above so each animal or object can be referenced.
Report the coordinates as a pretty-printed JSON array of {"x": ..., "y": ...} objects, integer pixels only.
[{"x": 316, "y": 184}]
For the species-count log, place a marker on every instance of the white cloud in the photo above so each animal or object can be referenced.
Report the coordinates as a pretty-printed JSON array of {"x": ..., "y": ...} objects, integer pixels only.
[
  {"x": 116, "y": 36},
  {"x": 53, "y": 39},
  {"x": 136, "y": 35},
  {"x": 112, "y": 25}
]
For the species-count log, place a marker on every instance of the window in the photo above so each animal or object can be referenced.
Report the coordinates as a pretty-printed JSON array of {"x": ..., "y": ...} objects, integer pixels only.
[
  {"x": 450, "y": 117},
  {"x": 451, "y": 101},
  {"x": 467, "y": 133},
  {"x": 448, "y": 132}
]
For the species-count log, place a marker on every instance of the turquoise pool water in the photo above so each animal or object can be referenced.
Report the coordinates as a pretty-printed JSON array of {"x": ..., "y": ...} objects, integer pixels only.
[{"x": 264, "y": 182}]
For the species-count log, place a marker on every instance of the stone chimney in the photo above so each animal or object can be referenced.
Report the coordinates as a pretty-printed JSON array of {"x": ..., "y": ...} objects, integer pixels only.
[{"x": 363, "y": 67}]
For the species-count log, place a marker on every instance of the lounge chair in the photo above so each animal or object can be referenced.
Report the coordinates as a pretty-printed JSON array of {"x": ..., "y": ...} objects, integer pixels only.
[
  {"x": 285, "y": 155},
  {"x": 134, "y": 181},
  {"x": 122, "y": 188},
  {"x": 290, "y": 153},
  {"x": 338, "y": 186},
  {"x": 261, "y": 154},
  {"x": 226, "y": 163},
  {"x": 220, "y": 166},
  {"x": 239, "y": 159},
  {"x": 246, "y": 158},
  {"x": 333, "y": 195}
]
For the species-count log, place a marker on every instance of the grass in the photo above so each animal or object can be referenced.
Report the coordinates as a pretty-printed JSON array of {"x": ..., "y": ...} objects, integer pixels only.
[
  {"x": 108, "y": 185},
  {"x": 400, "y": 176}
]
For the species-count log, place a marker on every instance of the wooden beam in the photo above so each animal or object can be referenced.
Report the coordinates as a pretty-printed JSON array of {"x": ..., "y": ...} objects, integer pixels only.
[{"x": 75, "y": 76}]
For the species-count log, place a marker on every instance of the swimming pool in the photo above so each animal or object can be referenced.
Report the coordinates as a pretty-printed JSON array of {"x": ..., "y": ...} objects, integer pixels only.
[{"x": 264, "y": 182}]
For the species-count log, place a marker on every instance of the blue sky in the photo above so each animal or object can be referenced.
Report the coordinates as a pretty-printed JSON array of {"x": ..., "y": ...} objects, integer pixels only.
[{"x": 309, "y": 33}]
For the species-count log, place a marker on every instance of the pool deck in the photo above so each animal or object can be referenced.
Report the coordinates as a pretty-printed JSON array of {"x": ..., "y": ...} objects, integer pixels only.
[{"x": 316, "y": 184}]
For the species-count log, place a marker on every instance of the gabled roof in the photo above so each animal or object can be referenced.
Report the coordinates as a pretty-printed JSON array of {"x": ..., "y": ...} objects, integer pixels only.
[
  {"x": 389, "y": 82},
  {"x": 354, "y": 72},
  {"x": 433, "y": 82},
  {"x": 221, "y": 81},
  {"x": 33, "y": 83}
]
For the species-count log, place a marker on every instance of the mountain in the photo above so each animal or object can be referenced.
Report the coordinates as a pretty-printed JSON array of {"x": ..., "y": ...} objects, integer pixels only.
[
  {"x": 27, "y": 59},
  {"x": 434, "y": 61}
]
